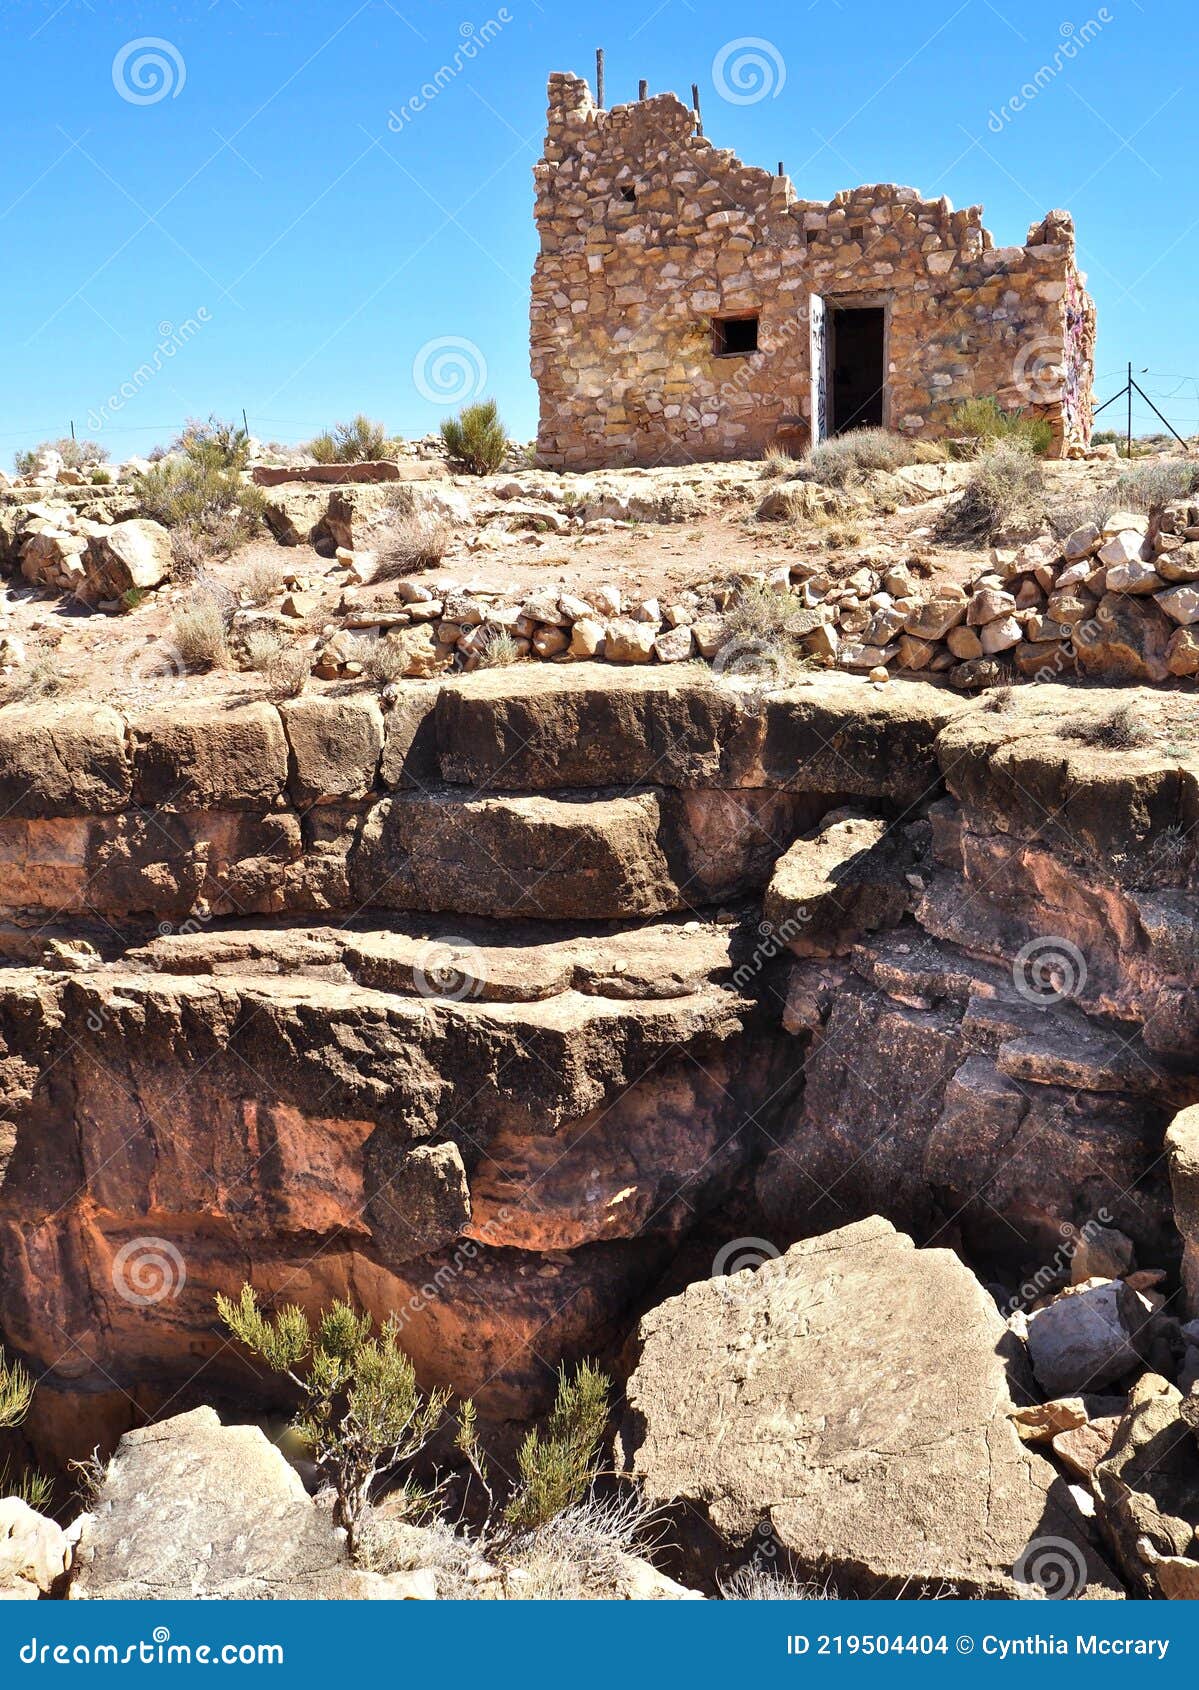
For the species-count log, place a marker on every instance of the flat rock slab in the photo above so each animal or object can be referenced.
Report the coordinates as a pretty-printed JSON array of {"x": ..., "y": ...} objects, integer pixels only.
[{"x": 850, "y": 1401}]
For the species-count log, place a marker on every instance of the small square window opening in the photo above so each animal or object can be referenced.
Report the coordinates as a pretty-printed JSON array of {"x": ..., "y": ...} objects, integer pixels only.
[{"x": 733, "y": 336}]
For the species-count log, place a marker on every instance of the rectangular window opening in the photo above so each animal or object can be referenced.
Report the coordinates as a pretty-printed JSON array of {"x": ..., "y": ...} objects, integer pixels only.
[{"x": 734, "y": 336}]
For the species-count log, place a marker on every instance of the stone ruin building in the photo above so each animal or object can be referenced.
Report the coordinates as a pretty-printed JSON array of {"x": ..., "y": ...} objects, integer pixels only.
[{"x": 687, "y": 306}]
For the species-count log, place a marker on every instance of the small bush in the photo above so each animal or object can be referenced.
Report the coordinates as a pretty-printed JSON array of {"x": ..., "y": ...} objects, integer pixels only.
[
  {"x": 1066, "y": 517},
  {"x": 199, "y": 631},
  {"x": 475, "y": 440},
  {"x": 849, "y": 458},
  {"x": 361, "y": 1412},
  {"x": 204, "y": 498},
  {"x": 412, "y": 543},
  {"x": 222, "y": 444},
  {"x": 556, "y": 1466},
  {"x": 360, "y": 441},
  {"x": 984, "y": 420},
  {"x": 383, "y": 660},
  {"x": 82, "y": 455},
  {"x": 765, "y": 613},
  {"x": 501, "y": 649},
  {"x": 287, "y": 673},
  {"x": 756, "y": 1583},
  {"x": 16, "y": 1394},
  {"x": 262, "y": 582},
  {"x": 1151, "y": 486},
  {"x": 1005, "y": 494}
]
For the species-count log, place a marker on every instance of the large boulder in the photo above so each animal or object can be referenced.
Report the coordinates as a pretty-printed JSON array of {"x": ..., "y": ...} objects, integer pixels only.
[
  {"x": 1148, "y": 1491},
  {"x": 1182, "y": 1149},
  {"x": 849, "y": 1402},
  {"x": 34, "y": 1551},
  {"x": 190, "y": 1509},
  {"x": 130, "y": 556}
]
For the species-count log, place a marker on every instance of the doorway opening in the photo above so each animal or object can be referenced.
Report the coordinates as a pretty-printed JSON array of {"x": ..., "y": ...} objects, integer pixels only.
[{"x": 857, "y": 367}]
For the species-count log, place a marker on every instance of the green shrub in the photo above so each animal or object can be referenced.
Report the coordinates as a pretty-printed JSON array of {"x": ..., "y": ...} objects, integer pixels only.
[
  {"x": 221, "y": 444},
  {"x": 556, "y": 1466},
  {"x": 360, "y": 441},
  {"x": 16, "y": 1394},
  {"x": 475, "y": 439},
  {"x": 361, "y": 1410},
  {"x": 203, "y": 496},
  {"x": 984, "y": 419},
  {"x": 1005, "y": 494},
  {"x": 501, "y": 649},
  {"x": 848, "y": 458}
]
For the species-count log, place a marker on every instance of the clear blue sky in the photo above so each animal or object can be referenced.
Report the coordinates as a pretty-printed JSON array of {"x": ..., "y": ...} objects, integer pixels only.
[{"x": 255, "y": 186}]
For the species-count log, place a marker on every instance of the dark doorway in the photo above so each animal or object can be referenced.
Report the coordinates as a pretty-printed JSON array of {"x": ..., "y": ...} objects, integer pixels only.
[{"x": 858, "y": 368}]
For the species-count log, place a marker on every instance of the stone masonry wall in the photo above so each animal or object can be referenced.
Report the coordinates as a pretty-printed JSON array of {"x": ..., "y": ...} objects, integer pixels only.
[{"x": 625, "y": 292}]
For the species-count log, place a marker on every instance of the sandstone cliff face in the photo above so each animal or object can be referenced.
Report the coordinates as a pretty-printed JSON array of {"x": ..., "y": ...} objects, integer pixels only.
[{"x": 467, "y": 1010}]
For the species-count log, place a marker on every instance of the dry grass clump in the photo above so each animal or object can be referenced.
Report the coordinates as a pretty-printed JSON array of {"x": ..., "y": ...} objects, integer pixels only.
[
  {"x": 1004, "y": 495},
  {"x": 500, "y": 649},
  {"x": 1123, "y": 730},
  {"x": 199, "y": 631},
  {"x": 383, "y": 660},
  {"x": 758, "y": 1583},
  {"x": 359, "y": 441},
  {"x": 263, "y": 581},
  {"x": 41, "y": 676},
  {"x": 1150, "y": 486},
  {"x": 412, "y": 543},
  {"x": 847, "y": 459},
  {"x": 1069, "y": 515},
  {"x": 776, "y": 462}
]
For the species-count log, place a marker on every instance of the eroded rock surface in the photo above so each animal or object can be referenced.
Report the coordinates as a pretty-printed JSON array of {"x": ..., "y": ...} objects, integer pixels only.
[{"x": 848, "y": 1402}]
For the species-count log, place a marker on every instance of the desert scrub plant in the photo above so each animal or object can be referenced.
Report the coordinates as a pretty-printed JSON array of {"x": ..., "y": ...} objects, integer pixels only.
[
  {"x": 1150, "y": 486},
  {"x": 213, "y": 441},
  {"x": 41, "y": 676},
  {"x": 1068, "y": 515},
  {"x": 412, "y": 542},
  {"x": 1123, "y": 730},
  {"x": 359, "y": 441},
  {"x": 16, "y": 1394},
  {"x": 383, "y": 660},
  {"x": 262, "y": 582},
  {"x": 776, "y": 462},
  {"x": 555, "y": 1466},
  {"x": 206, "y": 499},
  {"x": 362, "y": 1412},
  {"x": 476, "y": 440},
  {"x": 757, "y": 1583},
  {"x": 1005, "y": 493},
  {"x": 846, "y": 459},
  {"x": 83, "y": 455},
  {"x": 982, "y": 420},
  {"x": 500, "y": 648},
  {"x": 198, "y": 626}
]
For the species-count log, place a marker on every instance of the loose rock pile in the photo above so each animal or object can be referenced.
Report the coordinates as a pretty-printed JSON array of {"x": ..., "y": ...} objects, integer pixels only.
[{"x": 57, "y": 546}]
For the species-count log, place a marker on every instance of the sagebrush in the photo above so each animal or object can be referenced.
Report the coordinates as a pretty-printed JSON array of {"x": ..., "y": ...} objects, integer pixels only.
[
  {"x": 476, "y": 440},
  {"x": 357, "y": 441}
]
